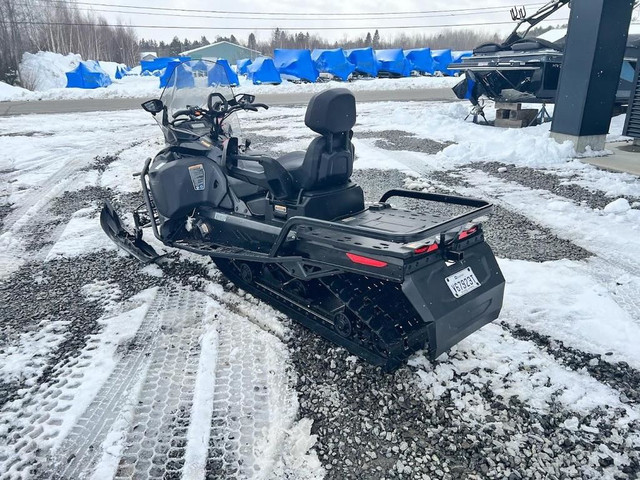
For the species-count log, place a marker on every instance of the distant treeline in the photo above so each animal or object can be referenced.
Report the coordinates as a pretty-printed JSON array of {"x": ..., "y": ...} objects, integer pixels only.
[
  {"x": 454, "y": 39},
  {"x": 30, "y": 26}
]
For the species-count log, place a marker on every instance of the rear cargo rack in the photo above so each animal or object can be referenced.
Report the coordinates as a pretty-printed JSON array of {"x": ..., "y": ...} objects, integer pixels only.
[{"x": 481, "y": 208}]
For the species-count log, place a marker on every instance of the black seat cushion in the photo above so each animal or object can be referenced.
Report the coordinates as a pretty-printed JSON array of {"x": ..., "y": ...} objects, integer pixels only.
[{"x": 331, "y": 169}]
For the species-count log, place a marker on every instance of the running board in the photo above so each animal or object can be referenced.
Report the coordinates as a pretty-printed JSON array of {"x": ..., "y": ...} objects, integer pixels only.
[{"x": 132, "y": 244}]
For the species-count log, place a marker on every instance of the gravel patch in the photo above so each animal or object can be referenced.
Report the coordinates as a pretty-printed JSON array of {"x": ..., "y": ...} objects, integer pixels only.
[
  {"x": 5, "y": 210},
  {"x": 538, "y": 179},
  {"x": 400, "y": 140},
  {"x": 41, "y": 293},
  {"x": 619, "y": 376},
  {"x": 375, "y": 425}
]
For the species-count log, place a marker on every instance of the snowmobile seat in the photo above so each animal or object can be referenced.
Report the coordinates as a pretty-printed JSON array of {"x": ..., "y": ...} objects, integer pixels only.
[{"x": 328, "y": 161}]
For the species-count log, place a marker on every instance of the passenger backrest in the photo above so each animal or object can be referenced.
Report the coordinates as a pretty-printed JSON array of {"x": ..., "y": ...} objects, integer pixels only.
[{"x": 329, "y": 159}]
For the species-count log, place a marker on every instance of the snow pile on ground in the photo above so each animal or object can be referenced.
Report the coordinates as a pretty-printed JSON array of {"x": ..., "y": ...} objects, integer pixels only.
[
  {"x": 9, "y": 92},
  {"x": 46, "y": 70},
  {"x": 111, "y": 67}
]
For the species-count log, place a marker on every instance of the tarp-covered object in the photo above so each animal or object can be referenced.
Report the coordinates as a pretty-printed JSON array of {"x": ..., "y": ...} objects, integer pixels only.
[
  {"x": 334, "y": 62},
  {"x": 242, "y": 65},
  {"x": 167, "y": 72},
  {"x": 263, "y": 71},
  {"x": 160, "y": 63},
  {"x": 121, "y": 72},
  {"x": 88, "y": 75},
  {"x": 392, "y": 61},
  {"x": 231, "y": 78},
  {"x": 420, "y": 59},
  {"x": 365, "y": 61},
  {"x": 457, "y": 56},
  {"x": 296, "y": 63},
  {"x": 441, "y": 60}
]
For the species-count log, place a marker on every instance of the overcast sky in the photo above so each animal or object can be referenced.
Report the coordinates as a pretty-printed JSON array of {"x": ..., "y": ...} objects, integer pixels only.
[{"x": 355, "y": 16}]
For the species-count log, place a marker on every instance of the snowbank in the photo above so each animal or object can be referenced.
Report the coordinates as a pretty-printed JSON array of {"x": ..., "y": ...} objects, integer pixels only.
[
  {"x": 9, "y": 92},
  {"x": 111, "y": 67},
  {"x": 46, "y": 70}
]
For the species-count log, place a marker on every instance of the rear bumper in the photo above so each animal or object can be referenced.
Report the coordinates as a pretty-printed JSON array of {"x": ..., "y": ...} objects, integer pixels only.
[{"x": 449, "y": 319}]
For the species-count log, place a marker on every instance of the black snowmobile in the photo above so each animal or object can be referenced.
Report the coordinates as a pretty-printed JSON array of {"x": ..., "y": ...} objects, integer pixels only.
[{"x": 295, "y": 231}]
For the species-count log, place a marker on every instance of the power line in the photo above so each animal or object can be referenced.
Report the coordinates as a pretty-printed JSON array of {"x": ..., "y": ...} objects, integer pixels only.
[
  {"x": 192, "y": 27},
  {"x": 292, "y": 14},
  {"x": 365, "y": 17}
]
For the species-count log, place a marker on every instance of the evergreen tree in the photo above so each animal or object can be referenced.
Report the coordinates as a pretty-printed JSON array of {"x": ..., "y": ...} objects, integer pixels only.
[
  {"x": 376, "y": 40},
  {"x": 251, "y": 42},
  {"x": 367, "y": 41},
  {"x": 175, "y": 47},
  {"x": 204, "y": 41},
  {"x": 233, "y": 39}
]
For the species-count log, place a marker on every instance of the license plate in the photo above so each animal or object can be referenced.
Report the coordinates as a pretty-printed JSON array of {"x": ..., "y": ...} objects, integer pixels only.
[{"x": 463, "y": 282}]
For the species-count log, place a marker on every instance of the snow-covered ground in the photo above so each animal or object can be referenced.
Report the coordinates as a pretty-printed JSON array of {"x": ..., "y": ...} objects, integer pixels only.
[{"x": 123, "y": 370}]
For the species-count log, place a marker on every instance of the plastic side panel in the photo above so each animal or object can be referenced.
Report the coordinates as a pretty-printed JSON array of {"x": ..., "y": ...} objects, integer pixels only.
[{"x": 452, "y": 319}]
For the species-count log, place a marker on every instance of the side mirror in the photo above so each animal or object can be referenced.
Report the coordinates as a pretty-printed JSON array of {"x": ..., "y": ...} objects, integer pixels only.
[
  {"x": 243, "y": 98},
  {"x": 153, "y": 106}
]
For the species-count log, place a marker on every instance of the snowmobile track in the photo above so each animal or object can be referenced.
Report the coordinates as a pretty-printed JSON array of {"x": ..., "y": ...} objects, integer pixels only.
[{"x": 159, "y": 356}]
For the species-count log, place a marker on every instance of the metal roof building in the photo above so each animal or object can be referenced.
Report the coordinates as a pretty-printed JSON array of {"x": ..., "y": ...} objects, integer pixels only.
[{"x": 227, "y": 50}]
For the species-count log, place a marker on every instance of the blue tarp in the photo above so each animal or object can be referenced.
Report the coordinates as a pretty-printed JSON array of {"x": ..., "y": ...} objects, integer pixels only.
[
  {"x": 121, "y": 72},
  {"x": 262, "y": 71},
  {"x": 457, "y": 56},
  {"x": 242, "y": 65},
  {"x": 365, "y": 61},
  {"x": 88, "y": 75},
  {"x": 392, "y": 61},
  {"x": 296, "y": 63},
  {"x": 334, "y": 62},
  {"x": 160, "y": 63},
  {"x": 180, "y": 78},
  {"x": 231, "y": 77},
  {"x": 420, "y": 59},
  {"x": 218, "y": 73},
  {"x": 441, "y": 60}
]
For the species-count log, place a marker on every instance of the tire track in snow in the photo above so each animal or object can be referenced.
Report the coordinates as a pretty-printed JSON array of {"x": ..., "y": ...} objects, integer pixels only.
[{"x": 172, "y": 309}]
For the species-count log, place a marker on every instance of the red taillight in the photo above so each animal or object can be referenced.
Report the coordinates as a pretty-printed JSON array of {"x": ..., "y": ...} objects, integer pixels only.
[
  {"x": 370, "y": 262},
  {"x": 466, "y": 233},
  {"x": 426, "y": 249}
]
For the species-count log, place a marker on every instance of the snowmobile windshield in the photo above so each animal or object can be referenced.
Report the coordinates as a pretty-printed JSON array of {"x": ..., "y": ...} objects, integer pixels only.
[{"x": 189, "y": 84}]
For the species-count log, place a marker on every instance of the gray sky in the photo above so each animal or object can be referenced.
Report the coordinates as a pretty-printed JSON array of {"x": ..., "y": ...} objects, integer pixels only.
[{"x": 352, "y": 20}]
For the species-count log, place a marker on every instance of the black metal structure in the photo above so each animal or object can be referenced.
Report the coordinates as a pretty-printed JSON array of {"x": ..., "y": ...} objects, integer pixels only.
[
  {"x": 632, "y": 123},
  {"x": 594, "y": 52}
]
